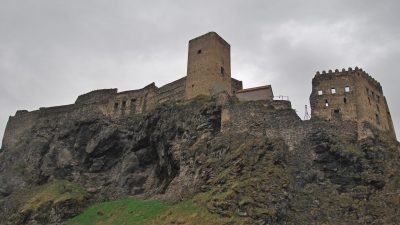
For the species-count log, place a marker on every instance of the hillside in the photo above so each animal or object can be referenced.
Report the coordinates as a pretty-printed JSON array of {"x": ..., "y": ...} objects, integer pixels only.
[{"x": 206, "y": 159}]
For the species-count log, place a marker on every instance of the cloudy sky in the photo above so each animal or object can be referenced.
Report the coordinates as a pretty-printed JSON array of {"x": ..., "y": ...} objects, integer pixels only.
[{"x": 53, "y": 51}]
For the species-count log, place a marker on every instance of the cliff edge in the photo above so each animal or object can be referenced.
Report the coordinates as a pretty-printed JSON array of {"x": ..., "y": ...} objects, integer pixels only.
[{"x": 255, "y": 160}]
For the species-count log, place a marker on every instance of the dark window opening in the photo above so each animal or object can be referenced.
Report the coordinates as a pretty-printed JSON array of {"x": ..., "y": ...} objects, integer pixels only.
[
  {"x": 367, "y": 90},
  {"x": 199, "y": 51},
  {"x": 377, "y": 107},
  {"x": 373, "y": 94},
  {"x": 369, "y": 101},
  {"x": 319, "y": 92},
  {"x": 326, "y": 103},
  {"x": 347, "y": 89},
  {"x": 222, "y": 71},
  {"x": 377, "y": 118},
  {"x": 123, "y": 104},
  {"x": 116, "y": 105},
  {"x": 345, "y": 100},
  {"x": 192, "y": 85},
  {"x": 333, "y": 90},
  {"x": 336, "y": 110},
  {"x": 133, "y": 101},
  {"x": 378, "y": 98}
]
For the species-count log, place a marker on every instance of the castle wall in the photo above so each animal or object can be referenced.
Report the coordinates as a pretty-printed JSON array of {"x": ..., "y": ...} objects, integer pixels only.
[
  {"x": 129, "y": 103},
  {"x": 174, "y": 91},
  {"x": 236, "y": 85},
  {"x": 269, "y": 122},
  {"x": 18, "y": 127},
  {"x": 281, "y": 122},
  {"x": 209, "y": 65},
  {"x": 96, "y": 96}
]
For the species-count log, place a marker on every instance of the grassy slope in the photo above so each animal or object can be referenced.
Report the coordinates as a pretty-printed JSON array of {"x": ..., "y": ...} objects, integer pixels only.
[
  {"x": 132, "y": 211},
  {"x": 34, "y": 203}
]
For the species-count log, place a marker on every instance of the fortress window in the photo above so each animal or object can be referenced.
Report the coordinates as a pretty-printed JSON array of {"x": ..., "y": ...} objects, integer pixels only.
[
  {"x": 199, "y": 51},
  {"x": 326, "y": 103},
  {"x": 347, "y": 89},
  {"x": 377, "y": 118},
  {"x": 377, "y": 107},
  {"x": 133, "y": 101},
  {"x": 369, "y": 100},
  {"x": 192, "y": 85},
  {"x": 344, "y": 100},
  {"x": 373, "y": 94},
  {"x": 378, "y": 98},
  {"x": 123, "y": 104},
  {"x": 116, "y": 105},
  {"x": 367, "y": 90},
  {"x": 222, "y": 71},
  {"x": 333, "y": 90},
  {"x": 336, "y": 110},
  {"x": 319, "y": 92}
]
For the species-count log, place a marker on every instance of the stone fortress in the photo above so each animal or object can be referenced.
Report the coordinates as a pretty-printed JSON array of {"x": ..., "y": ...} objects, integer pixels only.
[{"x": 351, "y": 95}]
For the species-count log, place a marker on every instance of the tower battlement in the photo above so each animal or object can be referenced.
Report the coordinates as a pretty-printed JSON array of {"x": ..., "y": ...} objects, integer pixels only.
[{"x": 352, "y": 72}]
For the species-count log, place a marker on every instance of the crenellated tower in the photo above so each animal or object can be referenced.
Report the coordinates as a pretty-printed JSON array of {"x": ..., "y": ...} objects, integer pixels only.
[
  {"x": 351, "y": 95},
  {"x": 209, "y": 65}
]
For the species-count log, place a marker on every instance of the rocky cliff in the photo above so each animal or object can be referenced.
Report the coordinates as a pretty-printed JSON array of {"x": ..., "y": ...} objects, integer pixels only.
[{"x": 254, "y": 160}]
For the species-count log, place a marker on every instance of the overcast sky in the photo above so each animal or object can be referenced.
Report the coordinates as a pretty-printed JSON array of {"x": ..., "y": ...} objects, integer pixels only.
[{"x": 53, "y": 51}]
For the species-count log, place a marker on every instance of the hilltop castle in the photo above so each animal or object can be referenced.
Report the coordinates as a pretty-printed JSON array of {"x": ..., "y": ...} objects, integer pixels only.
[{"x": 336, "y": 96}]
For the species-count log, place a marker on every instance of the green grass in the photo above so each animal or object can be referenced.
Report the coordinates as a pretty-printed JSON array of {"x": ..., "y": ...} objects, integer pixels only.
[
  {"x": 54, "y": 192},
  {"x": 133, "y": 211},
  {"x": 126, "y": 211}
]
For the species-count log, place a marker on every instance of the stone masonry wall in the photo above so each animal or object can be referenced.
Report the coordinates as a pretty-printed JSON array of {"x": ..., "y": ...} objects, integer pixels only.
[
  {"x": 96, "y": 96},
  {"x": 236, "y": 85},
  {"x": 208, "y": 65},
  {"x": 352, "y": 96},
  {"x": 261, "y": 118}
]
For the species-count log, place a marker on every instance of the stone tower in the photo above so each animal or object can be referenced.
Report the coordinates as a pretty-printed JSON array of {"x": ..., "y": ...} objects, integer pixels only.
[
  {"x": 351, "y": 95},
  {"x": 209, "y": 65}
]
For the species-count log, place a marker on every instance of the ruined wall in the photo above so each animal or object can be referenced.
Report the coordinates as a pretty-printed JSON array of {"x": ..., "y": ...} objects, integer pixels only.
[
  {"x": 258, "y": 120},
  {"x": 350, "y": 95},
  {"x": 209, "y": 65},
  {"x": 236, "y": 85},
  {"x": 174, "y": 91},
  {"x": 17, "y": 126},
  {"x": 96, "y": 96},
  {"x": 262, "y": 118},
  {"x": 129, "y": 103}
]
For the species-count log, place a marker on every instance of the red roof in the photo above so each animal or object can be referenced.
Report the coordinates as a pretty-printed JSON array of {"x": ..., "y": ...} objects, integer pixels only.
[{"x": 254, "y": 89}]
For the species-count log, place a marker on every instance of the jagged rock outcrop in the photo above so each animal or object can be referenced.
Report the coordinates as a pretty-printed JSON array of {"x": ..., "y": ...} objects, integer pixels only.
[{"x": 305, "y": 171}]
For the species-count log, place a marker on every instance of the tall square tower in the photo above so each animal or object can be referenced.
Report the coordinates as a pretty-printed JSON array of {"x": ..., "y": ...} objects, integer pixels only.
[
  {"x": 351, "y": 95},
  {"x": 209, "y": 65}
]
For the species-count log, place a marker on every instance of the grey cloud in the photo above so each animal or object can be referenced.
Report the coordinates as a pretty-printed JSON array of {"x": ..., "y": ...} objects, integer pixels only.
[{"x": 53, "y": 51}]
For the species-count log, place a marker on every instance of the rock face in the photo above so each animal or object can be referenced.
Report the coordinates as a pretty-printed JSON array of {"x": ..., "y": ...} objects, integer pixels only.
[{"x": 270, "y": 168}]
